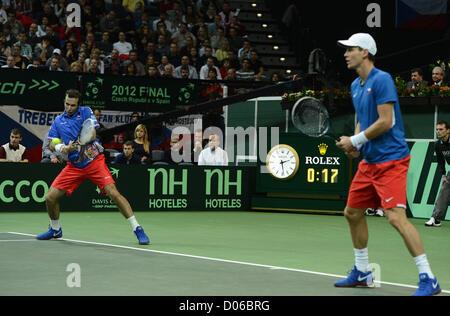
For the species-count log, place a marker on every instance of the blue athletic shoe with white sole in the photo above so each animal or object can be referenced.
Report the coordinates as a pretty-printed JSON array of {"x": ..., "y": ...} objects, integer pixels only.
[
  {"x": 141, "y": 236},
  {"x": 427, "y": 286},
  {"x": 356, "y": 278},
  {"x": 51, "y": 233}
]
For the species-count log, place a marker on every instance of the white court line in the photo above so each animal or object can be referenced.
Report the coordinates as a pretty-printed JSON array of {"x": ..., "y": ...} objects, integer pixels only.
[
  {"x": 12, "y": 240},
  {"x": 222, "y": 260}
]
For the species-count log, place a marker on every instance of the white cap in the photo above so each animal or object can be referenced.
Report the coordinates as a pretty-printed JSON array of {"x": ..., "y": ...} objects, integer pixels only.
[
  {"x": 363, "y": 40},
  {"x": 57, "y": 51}
]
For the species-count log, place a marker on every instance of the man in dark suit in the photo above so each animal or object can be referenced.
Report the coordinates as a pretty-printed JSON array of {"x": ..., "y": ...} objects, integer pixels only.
[
  {"x": 416, "y": 79},
  {"x": 438, "y": 77}
]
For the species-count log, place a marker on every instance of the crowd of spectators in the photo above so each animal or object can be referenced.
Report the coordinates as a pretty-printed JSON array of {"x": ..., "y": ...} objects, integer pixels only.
[{"x": 152, "y": 38}]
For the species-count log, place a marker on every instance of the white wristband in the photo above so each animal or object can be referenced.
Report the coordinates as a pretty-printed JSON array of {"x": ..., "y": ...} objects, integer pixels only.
[
  {"x": 58, "y": 147},
  {"x": 359, "y": 139}
]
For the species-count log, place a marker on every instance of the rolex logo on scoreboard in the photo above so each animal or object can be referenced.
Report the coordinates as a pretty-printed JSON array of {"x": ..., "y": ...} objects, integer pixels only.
[{"x": 321, "y": 160}]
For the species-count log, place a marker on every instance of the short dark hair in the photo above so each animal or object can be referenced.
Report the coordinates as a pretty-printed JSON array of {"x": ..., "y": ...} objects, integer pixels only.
[
  {"x": 16, "y": 131},
  {"x": 442, "y": 122},
  {"x": 418, "y": 70},
  {"x": 129, "y": 143},
  {"x": 74, "y": 93}
]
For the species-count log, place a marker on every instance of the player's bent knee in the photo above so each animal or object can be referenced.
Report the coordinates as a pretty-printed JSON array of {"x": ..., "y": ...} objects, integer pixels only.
[{"x": 351, "y": 213}]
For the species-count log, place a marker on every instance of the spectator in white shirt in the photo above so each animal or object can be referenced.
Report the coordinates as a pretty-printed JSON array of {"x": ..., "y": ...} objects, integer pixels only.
[
  {"x": 213, "y": 155},
  {"x": 205, "y": 69},
  {"x": 122, "y": 46}
]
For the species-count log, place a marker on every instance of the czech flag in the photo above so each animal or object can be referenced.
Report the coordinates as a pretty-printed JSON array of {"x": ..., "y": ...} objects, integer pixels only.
[{"x": 421, "y": 14}]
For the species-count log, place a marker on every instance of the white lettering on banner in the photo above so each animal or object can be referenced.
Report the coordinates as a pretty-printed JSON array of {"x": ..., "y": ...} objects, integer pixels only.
[{"x": 322, "y": 160}]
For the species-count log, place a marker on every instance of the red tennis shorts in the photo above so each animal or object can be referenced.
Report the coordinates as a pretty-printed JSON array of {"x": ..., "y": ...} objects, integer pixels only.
[
  {"x": 381, "y": 184},
  {"x": 71, "y": 177}
]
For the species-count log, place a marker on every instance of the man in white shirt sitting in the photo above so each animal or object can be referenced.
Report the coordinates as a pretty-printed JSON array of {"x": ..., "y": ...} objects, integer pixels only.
[
  {"x": 213, "y": 155},
  {"x": 122, "y": 46}
]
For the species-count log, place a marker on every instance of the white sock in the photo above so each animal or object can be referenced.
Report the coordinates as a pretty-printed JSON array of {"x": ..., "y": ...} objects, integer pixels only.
[
  {"x": 133, "y": 222},
  {"x": 423, "y": 265},
  {"x": 361, "y": 259},
  {"x": 55, "y": 224}
]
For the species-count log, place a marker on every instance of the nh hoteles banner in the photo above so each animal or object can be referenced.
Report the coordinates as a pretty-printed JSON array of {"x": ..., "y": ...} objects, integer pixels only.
[{"x": 23, "y": 188}]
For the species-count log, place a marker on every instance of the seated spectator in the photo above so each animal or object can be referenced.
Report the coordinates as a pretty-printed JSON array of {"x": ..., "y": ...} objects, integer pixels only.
[
  {"x": 204, "y": 71},
  {"x": 212, "y": 91},
  {"x": 140, "y": 68},
  {"x": 113, "y": 65},
  {"x": 105, "y": 44},
  {"x": 130, "y": 70},
  {"x": 234, "y": 61},
  {"x": 19, "y": 60},
  {"x": 118, "y": 8},
  {"x": 222, "y": 52},
  {"x": 416, "y": 79},
  {"x": 10, "y": 63},
  {"x": 210, "y": 13},
  {"x": 192, "y": 72},
  {"x": 53, "y": 65},
  {"x": 54, "y": 37},
  {"x": 95, "y": 54},
  {"x": 184, "y": 72},
  {"x": 130, "y": 5},
  {"x": 197, "y": 145},
  {"x": 169, "y": 71},
  {"x": 25, "y": 48},
  {"x": 208, "y": 53},
  {"x": 44, "y": 49},
  {"x": 215, "y": 26},
  {"x": 33, "y": 35},
  {"x": 237, "y": 25},
  {"x": 161, "y": 48},
  {"x": 190, "y": 17},
  {"x": 224, "y": 67},
  {"x": 150, "y": 50},
  {"x": 49, "y": 156},
  {"x": 128, "y": 156},
  {"x": 438, "y": 77},
  {"x": 226, "y": 14},
  {"x": 256, "y": 65},
  {"x": 173, "y": 155},
  {"x": 195, "y": 60},
  {"x": 62, "y": 62},
  {"x": 244, "y": 51},
  {"x": 122, "y": 46},
  {"x": 245, "y": 73},
  {"x": 15, "y": 26},
  {"x": 110, "y": 24},
  {"x": 152, "y": 72},
  {"x": 213, "y": 155},
  {"x": 202, "y": 35},
  {"x": 218, "y": 39},
  {"x": 235, "y": 40},
  {"x": 94, "y": 67},
  {"x": 127, "y": 25},
  {"x": 14, "y": 151},
  {"x": 181, "y": 35},
  {"x": 185, "y": 50},
  {"x": 141, "y": 143},
  {"x": 35, "y": 65},
  {"x": 276, "y": 77},
  {"x": 174, "y": 57},
  {"x": 163, "y": 64},
  {"x": 130, "y": 133},
  {"x": 163, "y": 20},
  {"x": 69, "y": 52}
]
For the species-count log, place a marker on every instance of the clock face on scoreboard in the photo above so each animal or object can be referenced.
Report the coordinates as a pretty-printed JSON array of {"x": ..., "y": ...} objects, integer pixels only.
[{"x": 282, "y": 162}]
